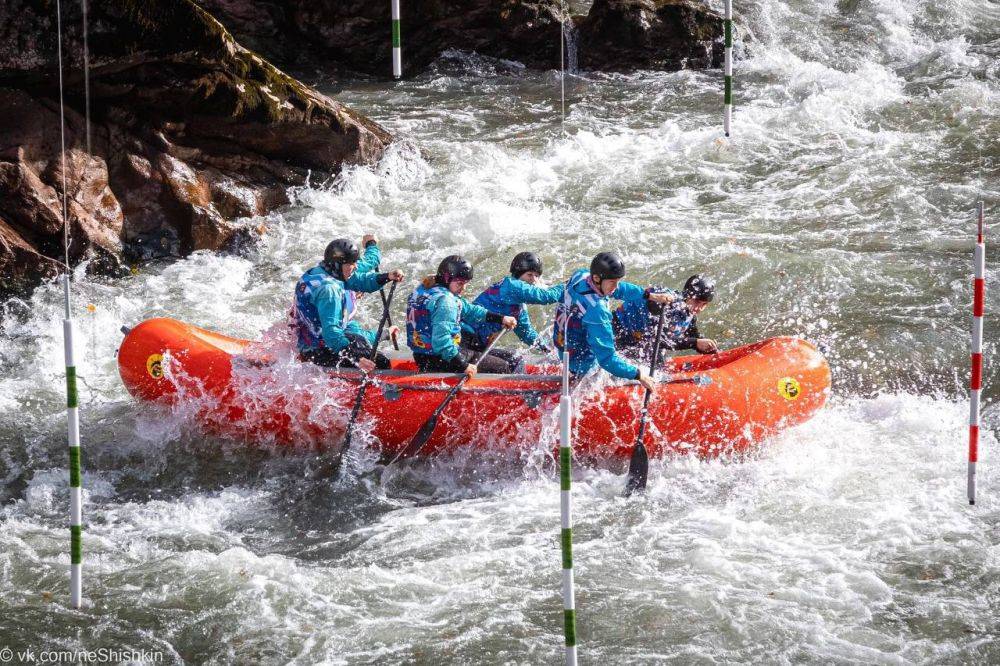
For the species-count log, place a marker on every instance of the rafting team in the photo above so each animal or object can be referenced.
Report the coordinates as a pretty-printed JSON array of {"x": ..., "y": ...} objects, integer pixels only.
[{"x": 446, "y": 332}]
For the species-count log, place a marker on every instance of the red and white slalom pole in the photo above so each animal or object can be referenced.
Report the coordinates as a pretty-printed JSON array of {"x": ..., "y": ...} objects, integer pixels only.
[{"x": 976, "y": 383}]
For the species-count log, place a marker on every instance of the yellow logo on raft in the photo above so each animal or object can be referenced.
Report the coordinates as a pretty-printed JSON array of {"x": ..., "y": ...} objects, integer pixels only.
[
  {"x": 789, "y": 388},
  {"x": 154, "y": 366}
]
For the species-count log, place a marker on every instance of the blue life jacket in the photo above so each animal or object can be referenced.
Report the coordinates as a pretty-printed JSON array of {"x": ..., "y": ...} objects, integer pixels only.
[
  {"x": 635, "y": 321},
  {"x": 677, "y": 320},
  {"x": 307, "y": 322},
  {"x": 568, "y": 330},
  {"x": 639, "y": 323},
  {"x": 419, "y": 326},
  {"x": 490, "y": 299}
]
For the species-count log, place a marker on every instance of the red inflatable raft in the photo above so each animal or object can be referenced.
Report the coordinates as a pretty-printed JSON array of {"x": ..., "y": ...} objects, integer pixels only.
[{"x": 707, "y": 404}]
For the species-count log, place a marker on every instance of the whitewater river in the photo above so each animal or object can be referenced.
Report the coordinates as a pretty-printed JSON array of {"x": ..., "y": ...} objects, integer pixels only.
[{"x": 841, "y": 210}]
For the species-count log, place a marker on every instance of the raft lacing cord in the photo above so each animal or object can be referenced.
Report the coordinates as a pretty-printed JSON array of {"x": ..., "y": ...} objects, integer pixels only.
[{"x": 72, "y": 409}]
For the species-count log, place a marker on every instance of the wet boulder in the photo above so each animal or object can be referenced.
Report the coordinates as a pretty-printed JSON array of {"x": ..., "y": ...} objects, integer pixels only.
[
  {"x": 354, "y": 35},
  {"x": 191, "y": 133},
  {"x": 625, "y": 35}
]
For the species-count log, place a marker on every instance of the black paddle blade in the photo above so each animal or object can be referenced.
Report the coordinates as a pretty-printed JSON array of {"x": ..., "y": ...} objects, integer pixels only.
[
  {"x": 420, "y": 439},
  {"x": 638, "y": 470}
]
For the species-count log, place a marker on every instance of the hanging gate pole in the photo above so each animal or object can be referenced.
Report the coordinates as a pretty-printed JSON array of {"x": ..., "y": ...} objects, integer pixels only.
[
  {"x": 566, "y": 509},
  {"x": 75, "y": 487},
  {"x": 397, "y": 56},
  {"x": 72, "y": 412},
  {"x": 728, "y": 94},
  {"x": 976, "y": 381}
]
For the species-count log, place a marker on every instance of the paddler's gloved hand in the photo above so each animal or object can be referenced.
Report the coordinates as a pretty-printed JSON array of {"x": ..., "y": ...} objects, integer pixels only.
[
  {"x": 706, "y": 346},
  {"x": 357, "y": 349},
  {"x": 656, "y": 297},
  {"x": 367, "y": 365},
  {"x": 646, "y": 381},
  {"x": 496, "y": 318},
  {"x": 368, "y": 239},
  {"x": 393, "y": 275}
]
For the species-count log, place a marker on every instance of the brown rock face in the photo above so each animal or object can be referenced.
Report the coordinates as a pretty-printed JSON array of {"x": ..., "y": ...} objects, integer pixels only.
[
  {"x": 668, "y": 35},
  {"x": 355, "y": 34},
  {"x": 21, "y": 266},
  {"x": 189, "y": 133}
]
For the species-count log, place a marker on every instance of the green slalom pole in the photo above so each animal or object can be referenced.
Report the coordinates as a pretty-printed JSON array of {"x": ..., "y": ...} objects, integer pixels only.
[
  {"x": 566, "y": 509},
  {"x": 72, "y": 412},
  {"x": 397, "y": 56},
  {"x": 75, "y": 487},
  {"x": 728, "y": 95}
]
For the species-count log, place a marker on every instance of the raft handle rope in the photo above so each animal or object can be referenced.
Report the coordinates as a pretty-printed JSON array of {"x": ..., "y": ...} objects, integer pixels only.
[{"x": 976, "y": 380}]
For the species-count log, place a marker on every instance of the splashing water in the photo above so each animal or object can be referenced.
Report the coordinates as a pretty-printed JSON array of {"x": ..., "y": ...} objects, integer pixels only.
[{"x": 840, "y": 210}]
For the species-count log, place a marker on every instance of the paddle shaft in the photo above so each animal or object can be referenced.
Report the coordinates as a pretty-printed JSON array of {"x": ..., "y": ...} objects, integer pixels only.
[
  {"x": 365, "y": 380},
  {"x": 638, "y": 468},
  {"x": 427, "y": 429},
  {"x": 388, "y": 318},
  {"x": 385, "y": 305}
]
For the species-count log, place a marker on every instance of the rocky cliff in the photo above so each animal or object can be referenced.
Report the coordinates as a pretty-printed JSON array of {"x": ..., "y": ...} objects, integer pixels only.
[
  {"x": 190, "y": 132},
  {"x": 354, "y": 35}
]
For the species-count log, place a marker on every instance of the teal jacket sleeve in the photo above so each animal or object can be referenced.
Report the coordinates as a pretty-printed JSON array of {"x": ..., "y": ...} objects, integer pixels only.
[
  {"x": 473, "y": 313},
  {"x": 524, "y": 330},
  {"x": 519, "y": 291},
  {"x": 329, "y": 304},
  {"x": 601, "y": 338},
  {"x": 370, "y": 259},
  {"x": 366, "y": 282},
  {"x": 444, "y": 314},
  {"x": 357, "y": 329},
  {"x": 627, "y": 291}
]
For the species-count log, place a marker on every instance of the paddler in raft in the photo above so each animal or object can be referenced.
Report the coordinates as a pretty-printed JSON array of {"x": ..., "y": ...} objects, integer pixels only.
[
  {"x": 325, "y": 305},
  {"x": 435, "y": 313},
  {"x": 635, "y": 322},
  {"x": 583, "y": 318},
  {"x": 508, "y": 297}
]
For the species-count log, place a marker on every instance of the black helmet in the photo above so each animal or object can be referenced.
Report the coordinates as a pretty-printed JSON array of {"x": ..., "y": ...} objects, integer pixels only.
[
  {"x": 608, "y": 266},
  {"x": 453, "y": 268},
  {"x": 524, "y": 262},
  {"x": 699, "y": 288},
  {"x": 339, "y": 252},
  {"x": 654, "y": 308}
]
